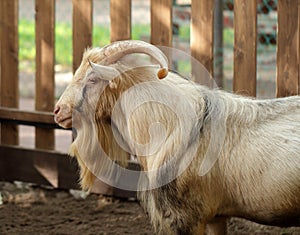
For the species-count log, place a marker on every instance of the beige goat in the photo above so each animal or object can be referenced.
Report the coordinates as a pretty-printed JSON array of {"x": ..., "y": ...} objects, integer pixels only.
[{"x": 257, "y": 172}]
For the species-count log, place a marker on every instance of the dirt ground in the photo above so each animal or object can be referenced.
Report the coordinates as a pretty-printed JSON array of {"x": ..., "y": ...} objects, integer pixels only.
[
  {"x": 33, "y": 210},
  {"x": 26, "y": 209}
]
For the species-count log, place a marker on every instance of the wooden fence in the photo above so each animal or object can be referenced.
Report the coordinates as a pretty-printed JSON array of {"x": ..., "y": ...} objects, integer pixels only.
[{"x": 45, "y": 166}]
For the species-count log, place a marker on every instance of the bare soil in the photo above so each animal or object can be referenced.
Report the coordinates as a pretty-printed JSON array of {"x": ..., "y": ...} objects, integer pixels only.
[
  {"x": 26, "y": 209},
  {"x": 35, "y": 210}
]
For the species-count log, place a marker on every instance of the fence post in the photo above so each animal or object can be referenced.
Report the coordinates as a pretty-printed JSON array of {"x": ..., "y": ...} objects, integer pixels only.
[
  {"x": 45, "y": 53},
  {"x": 245, "y": 45},
  {"x": 202, "y": 39},
  {"x": 82, "y": 29},
  {"x": 288, "y": 41},
  {"x": 9, "y": 93},
  {"x": 120, "y": 20},
  {"x": 218, "y": 43},
  {"x": 45, "y": 85},
  {"x": 161, "y": 22},
  {"x": 298, "y": 47}
]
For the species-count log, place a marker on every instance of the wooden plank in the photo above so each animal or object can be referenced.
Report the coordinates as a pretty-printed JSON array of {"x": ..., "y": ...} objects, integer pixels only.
[
  {"x": 245, "y": 43},
  {"x": 9, "y": 87},
  {"x": 298, "y": 47},
  {"x": 120, "y": 20},
  {"x": 202, "y": 40},
  {"x": 82, "y": 29},
  {"x": 218, "y": 43},
  {"x": 161, "y": 22},
  {"x": 32, "y": 118},
  {"x": 21, "y": 165},
  {"x": 287, "y": 56},
  {"x": 45, "y": 60}
]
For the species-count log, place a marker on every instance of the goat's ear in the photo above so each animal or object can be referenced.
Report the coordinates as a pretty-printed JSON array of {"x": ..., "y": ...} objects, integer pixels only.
[{"x": 104, "y": 72}]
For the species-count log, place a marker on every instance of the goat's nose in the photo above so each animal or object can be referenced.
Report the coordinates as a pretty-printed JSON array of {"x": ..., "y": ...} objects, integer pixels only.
[{"x": 56, "y": 109}]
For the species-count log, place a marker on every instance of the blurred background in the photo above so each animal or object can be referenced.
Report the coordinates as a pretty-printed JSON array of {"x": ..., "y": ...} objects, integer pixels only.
[{"x": 224, "y": 41}]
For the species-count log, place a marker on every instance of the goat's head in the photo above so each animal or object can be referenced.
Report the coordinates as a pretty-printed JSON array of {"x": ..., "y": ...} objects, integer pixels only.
[
  {"x": 103, "y": 63},
  {"x": 92, "y": 94}
]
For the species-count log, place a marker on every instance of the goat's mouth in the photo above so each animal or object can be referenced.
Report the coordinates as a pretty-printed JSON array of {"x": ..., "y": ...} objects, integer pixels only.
[{"x": 64, "y": 121}]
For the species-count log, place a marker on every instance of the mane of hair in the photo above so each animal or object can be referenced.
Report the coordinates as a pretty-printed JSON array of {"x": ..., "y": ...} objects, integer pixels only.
[{"x": 232, "y": 113}]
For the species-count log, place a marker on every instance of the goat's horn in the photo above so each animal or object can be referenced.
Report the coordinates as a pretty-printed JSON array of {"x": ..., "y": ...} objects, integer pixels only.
[
  {"x": 117, "y": 50},
  {"x": 105, "y": 72}
]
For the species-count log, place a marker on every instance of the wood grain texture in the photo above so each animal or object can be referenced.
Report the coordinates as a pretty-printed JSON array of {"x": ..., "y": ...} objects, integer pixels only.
[
  {"x": 9, "y": 87},
  {"x": 218, "y": 43},
  {"x": 287, "y": 54},
  {"x": 82, "y": 29},
  {"x": 161, "y": 22},
  {"x": 31, "y": 118},
  {"x": 245, "y": 44},
  {"x": 27, "y": 165},
  {"x": 202, "y": 39},
  {"x": 44, "y": 167},
  {"x": 120, "y": 20},
  {"x": 45, "y": 61}
]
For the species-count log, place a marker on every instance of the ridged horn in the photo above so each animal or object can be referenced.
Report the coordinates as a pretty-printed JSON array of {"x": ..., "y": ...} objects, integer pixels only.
[{"x": 118, "y": 49}]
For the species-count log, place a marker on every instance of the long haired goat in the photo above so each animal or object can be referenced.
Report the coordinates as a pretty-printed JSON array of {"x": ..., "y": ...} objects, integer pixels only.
[{"x": 257, "y": 172}]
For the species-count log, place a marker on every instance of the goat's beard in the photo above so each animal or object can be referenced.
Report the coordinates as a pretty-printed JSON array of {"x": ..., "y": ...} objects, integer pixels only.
[
  {"x": 87, "y": 178},
  {"x": 81, "y": 149},
  {"x": 96, "y": 151}
]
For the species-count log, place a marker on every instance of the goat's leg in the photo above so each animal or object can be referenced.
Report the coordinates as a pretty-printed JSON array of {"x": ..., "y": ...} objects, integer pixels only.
[
  {"x": 218, "y": 226},
  {"x": 197, "y": 230},
  {"x": 200, "y": 229}
]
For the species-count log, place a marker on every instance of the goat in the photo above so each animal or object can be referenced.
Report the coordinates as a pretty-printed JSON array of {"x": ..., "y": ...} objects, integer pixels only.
[{"x": 255, "y": 171}]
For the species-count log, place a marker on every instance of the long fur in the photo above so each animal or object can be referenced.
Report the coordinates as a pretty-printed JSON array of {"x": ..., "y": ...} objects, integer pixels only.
[{"x": 256, "y": 176}]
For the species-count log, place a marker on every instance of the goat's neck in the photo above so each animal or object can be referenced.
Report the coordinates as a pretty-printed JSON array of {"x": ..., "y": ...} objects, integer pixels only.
[{"x": 243, "y": 111}]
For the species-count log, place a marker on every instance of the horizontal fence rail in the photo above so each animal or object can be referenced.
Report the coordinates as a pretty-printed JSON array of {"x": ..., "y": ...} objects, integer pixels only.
[
  {"x": 32, "y": 118},
  {"x": 43, "y": 165}
]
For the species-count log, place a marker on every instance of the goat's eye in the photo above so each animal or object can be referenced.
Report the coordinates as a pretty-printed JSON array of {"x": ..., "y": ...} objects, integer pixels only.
[{"x": 92, "y": 80}]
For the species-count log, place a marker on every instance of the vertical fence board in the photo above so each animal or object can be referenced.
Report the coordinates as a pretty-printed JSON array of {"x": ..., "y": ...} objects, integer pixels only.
[
  {"x": 161, "y": 22},
  {"x": 82, "y": 29},
  {"x": 245, "y": 44},
  {"x": 202, "y": 38},
  {"x": 9, "y": 94},
  {"x": 120, "y": 20},
  {"x": 287, "y": 58},
  {"x": 44, "y": 90},
  {"x": 298, "y": 47},
  {"x": 218, "y": 43}
]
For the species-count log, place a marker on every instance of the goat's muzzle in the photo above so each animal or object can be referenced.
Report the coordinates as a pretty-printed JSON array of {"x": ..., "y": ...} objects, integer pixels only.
[{"x": 63, "y": 115}]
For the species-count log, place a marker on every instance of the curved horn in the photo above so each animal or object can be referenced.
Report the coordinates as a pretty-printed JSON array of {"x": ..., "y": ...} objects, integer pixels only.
[{"x": 117, "y": 50}]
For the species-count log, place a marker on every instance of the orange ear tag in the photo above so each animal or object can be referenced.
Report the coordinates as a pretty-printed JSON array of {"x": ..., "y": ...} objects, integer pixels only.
[{"x": 162, "y": 73}]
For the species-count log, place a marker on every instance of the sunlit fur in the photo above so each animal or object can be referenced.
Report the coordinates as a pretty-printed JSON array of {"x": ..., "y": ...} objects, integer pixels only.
[
  {"x": 140, "y": 122},
  {"x": 257, "y": 175},
  {"x": 67, "y": 103}
]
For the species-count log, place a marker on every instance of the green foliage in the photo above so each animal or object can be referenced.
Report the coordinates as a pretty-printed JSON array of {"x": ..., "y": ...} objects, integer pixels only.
[
  {"x": 26, "y": 40},
  {"x": 184, "y": 32},
  {"x": 101, "y": 37},
  {"x": 228, "y": 37},
  {"x": 63, "y": 39},
  {"x": 138, "y": 31},
  {"x": 63, "y": 44}
]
